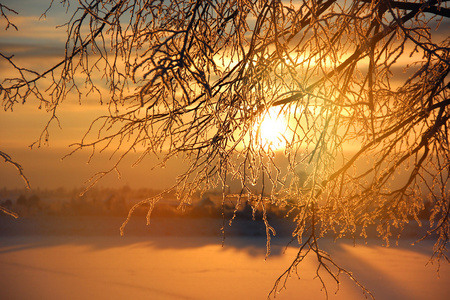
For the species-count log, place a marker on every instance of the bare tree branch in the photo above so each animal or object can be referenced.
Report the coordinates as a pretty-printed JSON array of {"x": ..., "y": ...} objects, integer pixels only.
[{"x": 363, "y": 88}]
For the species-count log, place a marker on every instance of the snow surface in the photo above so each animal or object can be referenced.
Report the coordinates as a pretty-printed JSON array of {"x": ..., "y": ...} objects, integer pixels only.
[{"x": 98, "y": 264}]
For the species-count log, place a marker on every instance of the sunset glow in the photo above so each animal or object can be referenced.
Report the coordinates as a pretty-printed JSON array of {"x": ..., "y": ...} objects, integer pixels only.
[
  {"x": 224, "y": 149},
  {"x": 271, "y": 130}
]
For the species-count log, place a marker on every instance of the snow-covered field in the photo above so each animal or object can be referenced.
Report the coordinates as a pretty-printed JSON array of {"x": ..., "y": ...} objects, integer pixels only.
[{"x": 99, "y": 264}]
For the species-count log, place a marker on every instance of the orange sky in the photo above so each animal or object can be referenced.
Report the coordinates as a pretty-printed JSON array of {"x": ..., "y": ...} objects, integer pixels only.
[{"x": 35, "y": 42}]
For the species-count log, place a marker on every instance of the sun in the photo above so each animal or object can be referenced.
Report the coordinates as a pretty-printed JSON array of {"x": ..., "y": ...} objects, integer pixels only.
[{"x": 271, "y": 130}]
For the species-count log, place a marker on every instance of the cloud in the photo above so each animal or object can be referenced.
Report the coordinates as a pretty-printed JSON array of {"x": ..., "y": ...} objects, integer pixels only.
[{"x": 31, "y": 29}]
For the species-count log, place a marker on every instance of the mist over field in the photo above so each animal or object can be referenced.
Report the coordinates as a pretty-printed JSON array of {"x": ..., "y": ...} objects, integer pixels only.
[{"x": 68, "y": 247}]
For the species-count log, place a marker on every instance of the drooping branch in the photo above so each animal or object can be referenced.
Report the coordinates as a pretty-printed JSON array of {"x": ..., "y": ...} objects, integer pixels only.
[
  {"x": 16, "y": 165},
  {"x": 197, "y": 79}
]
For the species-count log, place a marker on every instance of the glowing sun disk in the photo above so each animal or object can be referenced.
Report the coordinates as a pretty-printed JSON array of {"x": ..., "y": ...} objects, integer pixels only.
[{"x": 272, "y": 129}]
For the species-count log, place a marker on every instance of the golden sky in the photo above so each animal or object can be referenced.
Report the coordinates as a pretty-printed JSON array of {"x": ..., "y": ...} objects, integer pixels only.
[
  {"x": 37, "y": 40},
  {"x": 38, "y": 44}
]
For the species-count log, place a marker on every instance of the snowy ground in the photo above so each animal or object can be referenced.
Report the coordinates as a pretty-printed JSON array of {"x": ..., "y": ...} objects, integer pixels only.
[{"x": 95, "y": 263}]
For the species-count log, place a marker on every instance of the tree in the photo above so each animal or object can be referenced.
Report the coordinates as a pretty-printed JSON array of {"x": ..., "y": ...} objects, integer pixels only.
[{"x": 363, "y": 86}]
